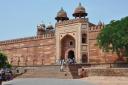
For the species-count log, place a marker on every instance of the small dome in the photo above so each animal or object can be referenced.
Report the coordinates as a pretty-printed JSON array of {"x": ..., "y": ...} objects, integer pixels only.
[
  {"x": 61, "y": 15},
  {"x": 42, "y": 25},
  {"x": 80, "y": 11},
  {"x": 49, "y": 27},
  {"x": 40, "y": 29}
]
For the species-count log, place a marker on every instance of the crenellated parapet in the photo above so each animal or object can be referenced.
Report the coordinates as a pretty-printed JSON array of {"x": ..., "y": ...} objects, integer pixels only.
[
  {"x": 72, "y": 21},
  {"x": 44, "y": 36},
  {"x": 96, "y": 28}
]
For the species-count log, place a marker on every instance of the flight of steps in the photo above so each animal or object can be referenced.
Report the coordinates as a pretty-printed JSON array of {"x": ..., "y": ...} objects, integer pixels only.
[{"x": 51, "y": 71}]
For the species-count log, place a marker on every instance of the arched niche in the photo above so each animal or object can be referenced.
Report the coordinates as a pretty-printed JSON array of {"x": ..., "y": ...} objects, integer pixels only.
[
  {"x": 84, "y": 58},
  {"x": 67, "y": 42}
]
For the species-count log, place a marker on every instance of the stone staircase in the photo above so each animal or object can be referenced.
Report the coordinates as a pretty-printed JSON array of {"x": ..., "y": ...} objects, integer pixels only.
[{"x": 51, "y": 71}]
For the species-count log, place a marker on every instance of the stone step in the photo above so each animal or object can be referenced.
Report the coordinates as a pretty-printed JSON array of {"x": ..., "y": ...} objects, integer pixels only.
[
  {"x": 47, "y": 75},
  {"x": 51, "y": 71}
]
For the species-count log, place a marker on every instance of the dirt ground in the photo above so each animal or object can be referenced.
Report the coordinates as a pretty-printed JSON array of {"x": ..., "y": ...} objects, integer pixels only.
[{"x": 107, "y": 80}]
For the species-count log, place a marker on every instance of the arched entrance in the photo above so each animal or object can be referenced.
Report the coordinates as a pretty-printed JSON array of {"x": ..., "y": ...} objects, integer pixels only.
[
  {"x": 67, "y": 47},
  {"x": 71, "y": 54},
  {"x": 84, "y": 58},
  {"x": 71, "y": 57}
]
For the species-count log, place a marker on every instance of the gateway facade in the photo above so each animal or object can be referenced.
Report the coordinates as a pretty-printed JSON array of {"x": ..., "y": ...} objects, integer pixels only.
[{"x": 73, "y": 39}]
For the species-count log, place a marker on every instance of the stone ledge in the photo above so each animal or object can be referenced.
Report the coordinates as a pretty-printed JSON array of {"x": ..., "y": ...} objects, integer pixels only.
[{"x": 103, "y": 72}]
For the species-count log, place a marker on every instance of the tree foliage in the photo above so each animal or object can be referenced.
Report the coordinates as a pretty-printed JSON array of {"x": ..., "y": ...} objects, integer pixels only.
[
  {"x": 114, "y": 36},
  {"x": 3, "y": 61}
]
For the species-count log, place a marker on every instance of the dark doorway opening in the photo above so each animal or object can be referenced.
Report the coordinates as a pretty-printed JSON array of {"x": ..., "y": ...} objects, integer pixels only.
[{"x": 71, "y": 57}]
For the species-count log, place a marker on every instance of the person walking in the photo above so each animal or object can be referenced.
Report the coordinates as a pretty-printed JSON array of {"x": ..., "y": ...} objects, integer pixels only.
[
  {"x": 62, "y": 65},
  {"x": 11, "y": 75}
]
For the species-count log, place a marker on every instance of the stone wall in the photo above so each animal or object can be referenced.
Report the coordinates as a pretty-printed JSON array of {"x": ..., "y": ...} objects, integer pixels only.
[
  {"x": 30, "y": 51},
  {"x": 104, "y": 72},
  {"x": 47, "y": 48},
  {"x": 96, "y": 55}
]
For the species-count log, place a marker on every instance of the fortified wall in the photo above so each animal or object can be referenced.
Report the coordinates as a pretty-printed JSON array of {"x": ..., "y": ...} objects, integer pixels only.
[
  {"x": 71, "y": 39},
  {"x": 37, "y": 50},
  {"x": 96, "y": 54}
]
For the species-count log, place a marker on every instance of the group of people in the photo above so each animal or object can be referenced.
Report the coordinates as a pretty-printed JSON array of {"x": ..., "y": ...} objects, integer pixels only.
[
  {"x": 64, "y": 63},
  {"x": 5, "y": 75},
  {"x": 71, "y": 61}
]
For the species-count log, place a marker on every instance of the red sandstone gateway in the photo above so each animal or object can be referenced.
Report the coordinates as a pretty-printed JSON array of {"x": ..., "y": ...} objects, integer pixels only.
[{"x": 69, "y": 39}]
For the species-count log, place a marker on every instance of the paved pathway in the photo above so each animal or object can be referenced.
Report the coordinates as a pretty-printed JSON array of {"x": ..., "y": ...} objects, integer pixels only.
[{"x": 42, "y": 81}]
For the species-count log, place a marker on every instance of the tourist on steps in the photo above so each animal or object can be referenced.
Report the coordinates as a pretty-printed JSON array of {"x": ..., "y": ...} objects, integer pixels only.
[{"x": 62, "y": 65}]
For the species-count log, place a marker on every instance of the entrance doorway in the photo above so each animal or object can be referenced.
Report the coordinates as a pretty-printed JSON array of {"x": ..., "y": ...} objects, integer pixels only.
[{"x": 71, "y": 57}]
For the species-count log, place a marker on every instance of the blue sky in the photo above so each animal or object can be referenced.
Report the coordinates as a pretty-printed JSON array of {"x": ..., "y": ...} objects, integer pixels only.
[{"x": 19, "y": 18}]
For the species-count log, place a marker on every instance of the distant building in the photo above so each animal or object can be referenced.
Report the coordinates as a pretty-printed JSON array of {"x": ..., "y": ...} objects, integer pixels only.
[{"x": 70, "y": 39}]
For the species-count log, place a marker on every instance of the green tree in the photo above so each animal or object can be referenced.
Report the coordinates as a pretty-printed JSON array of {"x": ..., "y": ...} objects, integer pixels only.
[
  {"x": 3, "y": 61},
  {"x": 114, "y": 37}
]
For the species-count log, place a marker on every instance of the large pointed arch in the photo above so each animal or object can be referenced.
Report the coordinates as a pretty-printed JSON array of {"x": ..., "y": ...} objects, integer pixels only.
[{"x": 67, "y": 42}]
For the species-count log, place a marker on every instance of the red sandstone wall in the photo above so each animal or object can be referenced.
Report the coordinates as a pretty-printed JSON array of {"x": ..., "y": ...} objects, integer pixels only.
[
  {"x": 41, "y": 50},
  {"x": 30, "y": 52},
  {"x": 96, "y": 55},
  {"x": 94, "y": 51}
]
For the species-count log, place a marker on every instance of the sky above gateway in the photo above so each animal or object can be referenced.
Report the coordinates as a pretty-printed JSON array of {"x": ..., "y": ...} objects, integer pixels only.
[{"x": 19, "y": 18}]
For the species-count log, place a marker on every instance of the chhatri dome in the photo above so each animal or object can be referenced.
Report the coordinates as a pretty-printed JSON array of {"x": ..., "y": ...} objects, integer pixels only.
[
  {"x": 40, "y": 29},
  {"x": 41, "y": 26},
  {"x": 80, "y": 11},
  {"x": 61, "y": 15},
  {"x": 50, "y": 27}
]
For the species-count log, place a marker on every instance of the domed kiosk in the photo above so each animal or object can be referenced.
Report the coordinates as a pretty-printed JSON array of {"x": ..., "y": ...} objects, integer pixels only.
[
  {"x": 61, "y": 15},
  {"x": 80, "y": 12}
]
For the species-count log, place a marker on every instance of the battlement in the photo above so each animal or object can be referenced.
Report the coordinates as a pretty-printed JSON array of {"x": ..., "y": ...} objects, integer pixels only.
[
  {"x": 96, "y": 28},
  {"x": 72, "y": 21},
  {"x": 44, "y": 36}
]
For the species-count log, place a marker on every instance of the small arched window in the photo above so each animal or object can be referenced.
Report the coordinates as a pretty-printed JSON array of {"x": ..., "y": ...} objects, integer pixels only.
[{"x": 71, "y": 43}]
